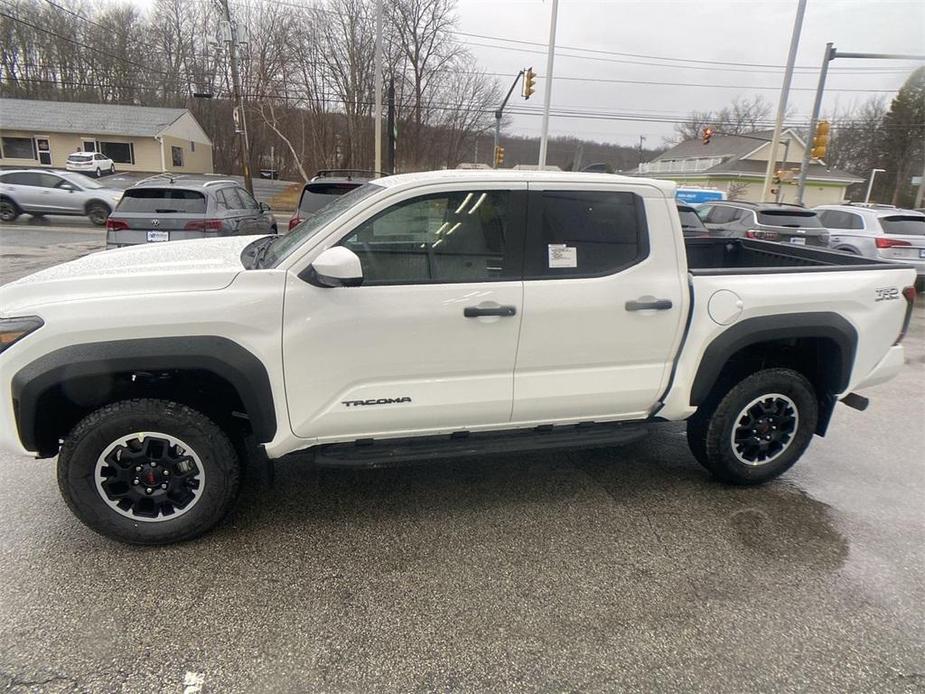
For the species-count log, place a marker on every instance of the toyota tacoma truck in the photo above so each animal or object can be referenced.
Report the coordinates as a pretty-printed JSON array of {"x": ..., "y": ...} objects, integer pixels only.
[{"x": 429, "y": 315}]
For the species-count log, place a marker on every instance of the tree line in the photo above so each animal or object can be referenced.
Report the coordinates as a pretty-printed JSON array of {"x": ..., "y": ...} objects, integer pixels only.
[{"x": 307, "y": 73}]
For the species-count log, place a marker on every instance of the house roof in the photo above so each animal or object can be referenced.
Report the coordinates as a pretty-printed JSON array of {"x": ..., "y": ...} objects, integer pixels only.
[
  {"x": 816, "y": 172},
  {"x": 722, "y": 146},
  {"x": 86, "y": 119}
]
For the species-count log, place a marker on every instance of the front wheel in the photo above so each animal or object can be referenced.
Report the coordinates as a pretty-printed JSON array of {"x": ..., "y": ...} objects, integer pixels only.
[
  {"x": 758, "y": 429},
  {"x": 112, "y": 169},
  {"x": 148, "y": 472},
  {"x": 98, "y": 213},
  {"x": 98, "y": 172}
]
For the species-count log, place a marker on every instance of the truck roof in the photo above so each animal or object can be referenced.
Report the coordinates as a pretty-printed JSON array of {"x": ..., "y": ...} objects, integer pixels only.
[{"x": 507, "y": 175}]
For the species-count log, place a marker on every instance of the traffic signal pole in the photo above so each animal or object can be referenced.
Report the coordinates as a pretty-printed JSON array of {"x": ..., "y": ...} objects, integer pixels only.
[
  {"x": 500, "y": 112},
  {"x": 831, "y": 54}
]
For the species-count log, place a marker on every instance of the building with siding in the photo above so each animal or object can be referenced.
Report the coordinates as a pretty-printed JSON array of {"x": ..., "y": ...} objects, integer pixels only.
[
  {"x": 136, "y": 138},
  {"x": 737, "y": 164}
]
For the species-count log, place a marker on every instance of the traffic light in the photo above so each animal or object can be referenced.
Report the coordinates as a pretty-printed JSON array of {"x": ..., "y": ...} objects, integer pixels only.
[
  {"x": 820, "y": 140},
  {"x": 707, "y": 134},
  {"x": 529, "y": 83},
  {"x": 499, "y": 156},
  {"x": 776, "y": 179}
]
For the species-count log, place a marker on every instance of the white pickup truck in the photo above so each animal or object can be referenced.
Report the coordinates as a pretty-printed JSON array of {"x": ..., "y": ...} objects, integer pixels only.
[{"x": 429, "y": 315}]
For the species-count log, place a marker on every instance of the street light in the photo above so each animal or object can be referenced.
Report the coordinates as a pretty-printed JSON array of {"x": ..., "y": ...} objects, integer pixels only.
[{"x": 870, "y": 185}]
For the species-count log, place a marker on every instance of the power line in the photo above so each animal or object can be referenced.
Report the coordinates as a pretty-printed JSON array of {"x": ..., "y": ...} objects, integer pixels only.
[{"x": 776, "y": 68}]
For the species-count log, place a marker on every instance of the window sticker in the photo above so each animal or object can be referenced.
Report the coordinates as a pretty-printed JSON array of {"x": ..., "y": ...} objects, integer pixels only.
[{"x": 561, "y": 255}]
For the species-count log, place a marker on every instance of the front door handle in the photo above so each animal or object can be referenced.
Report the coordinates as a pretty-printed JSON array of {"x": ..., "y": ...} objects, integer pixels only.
[
  {"x": 649, "y": 305},
  {"x": 476, "y": 311}
]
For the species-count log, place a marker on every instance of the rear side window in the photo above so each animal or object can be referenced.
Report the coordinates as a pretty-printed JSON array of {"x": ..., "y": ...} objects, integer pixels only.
[
  {"x": 584, "y": 233},
  {"x": 836, "y": 219},
  {"x": 163, "y": 201},
  {"x": 789, "y": 218},
  {"x": 903, "y": 225},
  {"x": 317, "y": 195},
  {"x": 723, "y": 215}
]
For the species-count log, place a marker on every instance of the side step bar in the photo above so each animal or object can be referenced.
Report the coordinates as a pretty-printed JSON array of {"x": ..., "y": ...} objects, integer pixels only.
[{"x": 386, "y": 452}]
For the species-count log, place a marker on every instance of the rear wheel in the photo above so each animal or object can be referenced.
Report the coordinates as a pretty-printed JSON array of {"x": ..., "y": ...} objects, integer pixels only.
[
  {"x": 112, "y": 169},
  {"x": 148, "y": 472},
  {"x": 758, "y": 429},
  {"x": 9, "y": 210},
  {"x": 97, "y": 212}
]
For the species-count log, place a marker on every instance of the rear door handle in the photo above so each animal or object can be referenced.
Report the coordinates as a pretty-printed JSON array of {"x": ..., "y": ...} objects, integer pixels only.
[
  {"x": 476, "y": 311},
  {"x": 653, "y": 305}
]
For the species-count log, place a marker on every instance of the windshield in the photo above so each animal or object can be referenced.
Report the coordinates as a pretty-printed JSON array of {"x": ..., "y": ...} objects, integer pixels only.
[
  {"x": 284, "y": 245},
  {"x": 689, "y": 218},
  {"x": 790, "y": 218},
  {"x": 903, "y": 224},
  {"x": 162, "y": 200}
]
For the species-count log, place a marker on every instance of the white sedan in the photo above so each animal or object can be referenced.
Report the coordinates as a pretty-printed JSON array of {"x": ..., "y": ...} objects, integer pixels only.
[{"x": 92, "y": 163}]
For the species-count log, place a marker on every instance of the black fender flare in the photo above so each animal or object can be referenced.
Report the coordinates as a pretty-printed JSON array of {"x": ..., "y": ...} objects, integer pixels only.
[
  {"x": 779, "y": 327},
  {"x": 218, "y": 355}
]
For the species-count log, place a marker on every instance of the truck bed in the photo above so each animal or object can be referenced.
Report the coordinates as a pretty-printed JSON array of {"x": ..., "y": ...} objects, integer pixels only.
[{"x": 748, "y": 256}]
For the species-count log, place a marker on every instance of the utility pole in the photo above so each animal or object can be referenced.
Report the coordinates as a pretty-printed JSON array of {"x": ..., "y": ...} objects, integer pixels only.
[
  {"x": 642, "y": 138},
  {"x": 784, "y": 94},
  {"x": 237, "y": 94},
  {"x": 870, "y": 184},
  {"x": 831, "y": 54},
  {"x": 550, "y": 57},
  {"x": 500, "y": 112},
  {"x": 378, "y": 107},
  {"x": 390, "y": 124}
]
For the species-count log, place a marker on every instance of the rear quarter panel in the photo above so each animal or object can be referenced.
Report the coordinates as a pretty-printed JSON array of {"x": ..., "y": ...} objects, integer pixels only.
[{"x": 852, "y": 294}]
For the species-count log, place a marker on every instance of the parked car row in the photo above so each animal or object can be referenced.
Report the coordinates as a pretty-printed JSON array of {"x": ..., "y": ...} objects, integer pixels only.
[{"x": 883, "y": 232}]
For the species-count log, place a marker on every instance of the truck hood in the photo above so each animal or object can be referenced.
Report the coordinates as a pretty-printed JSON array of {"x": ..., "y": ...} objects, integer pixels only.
[{"x": 175, "y": 266}]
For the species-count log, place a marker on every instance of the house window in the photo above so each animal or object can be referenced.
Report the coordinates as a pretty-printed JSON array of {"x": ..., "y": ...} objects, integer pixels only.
[
  {"x": 176, "y": 155},
  {"x": 19, "y": 148},
  {"x": 119, "y": 152},
  {"x": 192, "y": 146}
]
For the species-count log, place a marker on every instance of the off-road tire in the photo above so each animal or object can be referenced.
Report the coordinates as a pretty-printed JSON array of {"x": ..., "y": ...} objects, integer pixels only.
[
  {"x": 84, "y": 445},
  {"x": 9, "y": 210},
  {"x": 709, "y": 431}
]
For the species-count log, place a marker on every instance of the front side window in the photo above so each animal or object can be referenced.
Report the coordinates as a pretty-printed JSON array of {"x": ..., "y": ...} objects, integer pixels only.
[
  {"x": 247, "y": 200},
  {"x": 447, "y": 237},
  {"x": 585, "y": 234},
  {"x": 18, "y": 147}
]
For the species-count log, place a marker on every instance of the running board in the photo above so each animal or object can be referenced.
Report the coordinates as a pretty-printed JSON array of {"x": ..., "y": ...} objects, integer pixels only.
[{"x": 386, "y": 452}]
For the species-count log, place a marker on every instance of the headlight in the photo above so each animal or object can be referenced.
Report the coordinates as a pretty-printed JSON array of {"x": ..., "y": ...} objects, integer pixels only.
[{"x": 12, "y": 330}]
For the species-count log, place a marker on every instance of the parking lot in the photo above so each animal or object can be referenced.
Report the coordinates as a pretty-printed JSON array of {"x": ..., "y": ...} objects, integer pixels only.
[{"x": 621, "y": 569}]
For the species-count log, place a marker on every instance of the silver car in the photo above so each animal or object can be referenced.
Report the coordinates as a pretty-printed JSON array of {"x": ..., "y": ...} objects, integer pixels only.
[
  {"x": 169, "y": 207},
  {"x": 48, "y": 191},
  {"x": 877, "y": 231}
]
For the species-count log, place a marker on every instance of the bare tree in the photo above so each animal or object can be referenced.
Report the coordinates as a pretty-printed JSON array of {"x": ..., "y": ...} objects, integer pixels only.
[{"x": 743, "y": 115}]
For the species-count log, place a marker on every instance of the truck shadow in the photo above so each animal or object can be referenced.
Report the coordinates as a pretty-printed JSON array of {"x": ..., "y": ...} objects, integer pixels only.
[{"x": 649, "y": 496}]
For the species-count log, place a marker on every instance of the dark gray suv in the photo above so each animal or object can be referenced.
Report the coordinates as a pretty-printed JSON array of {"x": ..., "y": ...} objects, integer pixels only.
[
  {"x": 769, "y": 221},
  {"x": 179, "y": 208}
]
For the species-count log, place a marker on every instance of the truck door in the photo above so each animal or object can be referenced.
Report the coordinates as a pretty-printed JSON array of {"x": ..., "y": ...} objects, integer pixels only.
[
  {"x": 427, "y": 342},
  {"x": 605, "y": 300}
]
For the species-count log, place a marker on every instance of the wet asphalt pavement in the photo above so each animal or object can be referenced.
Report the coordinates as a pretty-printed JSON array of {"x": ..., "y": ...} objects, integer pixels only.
[{"x": 623, "y": 569}]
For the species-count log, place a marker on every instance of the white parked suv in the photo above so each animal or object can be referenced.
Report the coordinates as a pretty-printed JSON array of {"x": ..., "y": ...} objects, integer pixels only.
[
  {"x": 429, "y": 315},
  {"x": 92, "y": 163},
  {"x": 877, "y": 231}
]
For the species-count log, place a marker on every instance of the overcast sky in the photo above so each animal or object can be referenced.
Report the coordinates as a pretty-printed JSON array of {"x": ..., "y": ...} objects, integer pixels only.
[{"x": 747, "y": 31}]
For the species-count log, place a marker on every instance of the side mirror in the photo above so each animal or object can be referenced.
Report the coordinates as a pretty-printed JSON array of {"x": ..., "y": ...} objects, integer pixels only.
[
  {"x": 264, "y": 207},
  {"x": 68, "y": 187},
  {"x": 335, "y": 267}
]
